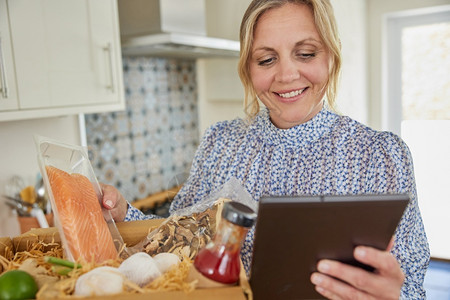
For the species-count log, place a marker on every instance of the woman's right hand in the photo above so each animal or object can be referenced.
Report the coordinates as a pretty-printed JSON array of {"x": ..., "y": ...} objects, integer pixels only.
[{"x": 114, "y": 202}]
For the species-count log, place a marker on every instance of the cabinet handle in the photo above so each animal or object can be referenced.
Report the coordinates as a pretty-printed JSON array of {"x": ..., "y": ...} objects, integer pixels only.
[
  {"x": 107, "y": 49},
  {"x": 4, "y": 88}
]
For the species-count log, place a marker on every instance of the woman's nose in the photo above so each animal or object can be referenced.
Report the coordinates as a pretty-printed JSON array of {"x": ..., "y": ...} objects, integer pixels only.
[{"x": 287, "y": 71}]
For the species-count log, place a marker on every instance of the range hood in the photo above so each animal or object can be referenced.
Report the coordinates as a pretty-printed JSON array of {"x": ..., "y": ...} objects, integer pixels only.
[{"x": 169, "y": 28}]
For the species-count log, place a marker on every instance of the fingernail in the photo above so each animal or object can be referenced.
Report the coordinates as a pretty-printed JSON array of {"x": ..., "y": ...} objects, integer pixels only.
[
  {"x": 316, "y": 279},
  {"x": 323, "y": 266},
  {"x": 109, "y": 203},
  {"x": 360, "y": 252},
  {"x": 320, "y": 289}
]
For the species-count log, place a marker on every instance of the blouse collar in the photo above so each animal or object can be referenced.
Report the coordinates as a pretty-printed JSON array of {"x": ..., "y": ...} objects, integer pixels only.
[{"x": 300, "y": 135}]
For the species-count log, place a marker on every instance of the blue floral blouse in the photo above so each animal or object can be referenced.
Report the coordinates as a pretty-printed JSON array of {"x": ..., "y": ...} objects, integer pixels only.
[{"x": 330, "y": 154}]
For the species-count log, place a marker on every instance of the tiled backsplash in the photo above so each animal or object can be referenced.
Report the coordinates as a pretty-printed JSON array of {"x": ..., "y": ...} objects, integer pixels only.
[{"x": 142, "y": 150}]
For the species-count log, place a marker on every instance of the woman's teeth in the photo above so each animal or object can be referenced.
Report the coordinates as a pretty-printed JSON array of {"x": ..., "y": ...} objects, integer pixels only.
[{"x": 291, "y": 94}]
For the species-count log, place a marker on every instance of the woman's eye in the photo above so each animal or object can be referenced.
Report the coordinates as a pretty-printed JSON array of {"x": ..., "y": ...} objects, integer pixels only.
[
  {"x": 266, "y": 61},
  {"x": 306, "y": 56}
]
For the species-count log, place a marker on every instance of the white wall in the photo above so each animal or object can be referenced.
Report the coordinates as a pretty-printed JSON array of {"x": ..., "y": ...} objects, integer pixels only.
[
  {"x": 18, "y": 155},
  {"x": 430, "y": 154},
  {"x": 220, "y": 91},
  {"x": 352, "y": 93},
  {"x": 376, "y": 10}
]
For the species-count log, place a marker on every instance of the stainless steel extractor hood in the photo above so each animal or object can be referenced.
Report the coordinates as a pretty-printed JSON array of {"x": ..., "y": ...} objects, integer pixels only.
[{"x": 169, "y": 28}]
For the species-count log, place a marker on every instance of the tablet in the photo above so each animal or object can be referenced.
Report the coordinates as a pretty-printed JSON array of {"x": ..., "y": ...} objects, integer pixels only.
[{"x": 293, "y": 233}]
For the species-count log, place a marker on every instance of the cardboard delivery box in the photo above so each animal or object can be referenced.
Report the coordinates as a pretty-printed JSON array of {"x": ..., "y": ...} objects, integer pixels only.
[{"x": 132, "y": 233}]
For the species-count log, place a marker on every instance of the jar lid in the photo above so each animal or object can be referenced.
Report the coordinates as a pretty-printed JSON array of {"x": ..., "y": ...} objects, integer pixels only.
[{"x": 239, "y": 214}]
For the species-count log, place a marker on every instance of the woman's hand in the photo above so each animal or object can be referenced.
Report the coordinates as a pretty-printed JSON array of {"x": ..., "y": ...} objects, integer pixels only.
[
  {"x": 114, "y": 201},
  {"x": 356, "y": 283}
]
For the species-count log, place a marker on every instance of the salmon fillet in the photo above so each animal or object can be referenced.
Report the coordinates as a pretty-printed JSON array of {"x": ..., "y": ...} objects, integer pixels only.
[{"x": 85, "y": 229}]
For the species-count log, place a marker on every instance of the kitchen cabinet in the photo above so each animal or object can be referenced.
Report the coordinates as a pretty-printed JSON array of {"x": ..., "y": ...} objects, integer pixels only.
[
  {"x": 63, "y": 56},
  {"x": 8, "y": 92}
]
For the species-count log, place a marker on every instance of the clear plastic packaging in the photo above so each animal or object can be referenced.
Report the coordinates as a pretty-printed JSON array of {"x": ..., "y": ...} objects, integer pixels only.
[
  {"x": 73, "y": 160},
  {"x": 189, "y": 230}
]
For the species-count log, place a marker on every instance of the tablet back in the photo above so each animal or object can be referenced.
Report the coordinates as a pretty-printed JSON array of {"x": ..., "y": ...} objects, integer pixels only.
[{"x": 293, "y": 233}]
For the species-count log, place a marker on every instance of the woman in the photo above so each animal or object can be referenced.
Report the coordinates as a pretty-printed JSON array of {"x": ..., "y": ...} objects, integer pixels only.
[{"x": 290, "y": 61}]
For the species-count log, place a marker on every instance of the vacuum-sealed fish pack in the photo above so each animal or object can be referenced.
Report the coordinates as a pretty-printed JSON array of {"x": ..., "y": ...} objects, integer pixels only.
[{"x": 87, "y": 230}]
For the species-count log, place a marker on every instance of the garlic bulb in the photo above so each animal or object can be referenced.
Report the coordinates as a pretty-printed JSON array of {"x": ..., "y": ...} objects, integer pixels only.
[
  {"x": 140, "y": 268},
  {"x": 99, "y": 281},
  {"x": 166, "y": 260}
]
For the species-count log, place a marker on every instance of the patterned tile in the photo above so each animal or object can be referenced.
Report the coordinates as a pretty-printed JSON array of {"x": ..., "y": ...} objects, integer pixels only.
[{"x": 148, "y": 147}]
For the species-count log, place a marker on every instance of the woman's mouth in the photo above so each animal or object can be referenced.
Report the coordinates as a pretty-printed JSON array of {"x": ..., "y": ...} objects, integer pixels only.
[{"x": 291, "y": 94}]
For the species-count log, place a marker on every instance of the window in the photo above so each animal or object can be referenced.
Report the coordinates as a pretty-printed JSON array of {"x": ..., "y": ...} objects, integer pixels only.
[{"x": 416, "y": 105}]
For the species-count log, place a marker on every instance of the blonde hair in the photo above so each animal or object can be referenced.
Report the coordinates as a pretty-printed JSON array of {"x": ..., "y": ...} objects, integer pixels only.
[{"x": 326, "y": 26}]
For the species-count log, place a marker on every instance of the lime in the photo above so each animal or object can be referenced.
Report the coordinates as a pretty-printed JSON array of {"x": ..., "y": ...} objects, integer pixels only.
[{"x": 17, "y": 284}]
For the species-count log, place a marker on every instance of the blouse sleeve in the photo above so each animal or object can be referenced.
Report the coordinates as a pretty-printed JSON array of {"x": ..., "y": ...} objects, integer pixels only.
[
  {"x": 134, "y": 214},
  {"x": 391, "y": 171}
]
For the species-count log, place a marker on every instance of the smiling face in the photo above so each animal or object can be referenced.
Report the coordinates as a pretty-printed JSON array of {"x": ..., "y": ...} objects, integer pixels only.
[{"x": 289, "y": 65}]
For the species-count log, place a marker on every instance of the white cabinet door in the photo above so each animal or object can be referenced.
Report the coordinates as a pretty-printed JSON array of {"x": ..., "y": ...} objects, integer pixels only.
[
  {"x": 67, "y": 56},
  {"x": 8, "y": 91}
]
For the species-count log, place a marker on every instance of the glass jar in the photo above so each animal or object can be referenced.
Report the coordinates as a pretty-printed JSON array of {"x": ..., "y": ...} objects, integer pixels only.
[{"x": 220, "y": 259}]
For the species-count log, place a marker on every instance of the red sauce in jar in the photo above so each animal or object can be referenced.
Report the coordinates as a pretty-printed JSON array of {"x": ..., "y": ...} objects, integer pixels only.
[{"x": 221, "y": 266}]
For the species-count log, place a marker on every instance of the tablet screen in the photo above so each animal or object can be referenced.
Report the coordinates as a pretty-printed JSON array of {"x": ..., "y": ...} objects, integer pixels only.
[{"x": 293, "y": 233}]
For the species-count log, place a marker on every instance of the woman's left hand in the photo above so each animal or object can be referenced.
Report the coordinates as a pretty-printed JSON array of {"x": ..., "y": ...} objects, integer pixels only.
[
  {"x": 356, "y": 283},
  {"x": 114, "y": 202}
]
